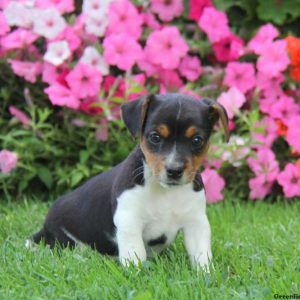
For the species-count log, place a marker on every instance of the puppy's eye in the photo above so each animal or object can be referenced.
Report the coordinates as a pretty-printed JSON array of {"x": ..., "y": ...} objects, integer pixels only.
[
  {"x": 197, "y": 141},
  {"x": 154, "y": 138}
]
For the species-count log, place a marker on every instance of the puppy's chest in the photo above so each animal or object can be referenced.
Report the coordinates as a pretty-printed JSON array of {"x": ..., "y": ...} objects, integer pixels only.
[{"x": 162, "y": 211}]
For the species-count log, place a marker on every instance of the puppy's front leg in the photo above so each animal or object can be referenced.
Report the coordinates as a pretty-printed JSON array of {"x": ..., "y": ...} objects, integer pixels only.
[
  {"x": 197, "y": 241},
  {"x": 130, "y": 242}
]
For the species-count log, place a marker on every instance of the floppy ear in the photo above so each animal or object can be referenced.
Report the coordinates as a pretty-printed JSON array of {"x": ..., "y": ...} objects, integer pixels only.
[
  {"x": 217, "y": 112},
  {"x": 134, "y": 114}
]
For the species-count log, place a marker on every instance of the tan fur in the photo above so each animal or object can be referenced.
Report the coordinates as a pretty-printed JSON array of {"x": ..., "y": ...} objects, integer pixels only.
[
  {"x": 163, "y": 130},
  {"x": 155, "y": 162},
  {"x": 190, "y": 132}
]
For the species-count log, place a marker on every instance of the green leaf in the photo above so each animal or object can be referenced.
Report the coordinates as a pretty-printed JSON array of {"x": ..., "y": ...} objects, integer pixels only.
[
  {"x": 84, "y": 156},
  {"x": 45, "y": 176},
  {"x": 143, "y": 296},
  {"x": 278, "y": 11},
  {"x": 76, "y": 178}
]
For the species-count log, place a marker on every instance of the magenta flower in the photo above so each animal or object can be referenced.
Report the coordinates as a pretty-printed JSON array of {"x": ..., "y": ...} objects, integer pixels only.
[
  {"x": 124, "y": 18},
  {"x": 293, "y": 133},
  {"x": 8, "y": 161},
  {"x": 63, "y": 6},
  {"x": 18, "y": 114},
  {"x": 84, "y": 81},
  {"x": 167, "y": 10},
  {"x": 284, "y": 108},
  {"x": 274, "y": 59},
  {"x": 62, "y": 96},
  {"x": 214, "y": 184},
  {"x": 240, "y": 75},
  {"x": 259, "y": 187},
  {"x": 169, "y": 81},
  {"x": 28, "y": 70},
  {"x": 4, "y": 28},
  {"x": 121, "y": 50},
  {"x": 232, "y": 100},
  {"x": 197, "y": 7},
  {"x": 215, "y": 24},
  {"x": 150, "y": 21},
  {"x": 69, "y": 35},
  {"x": 289, "y": 179},
  {"x": 166, "y": 47},
  {"x": 190, "y": 68},
  {"x": 264, "y": 37},
  {"x": 264, "y": 163},
  {"x": 18, "y": 39},
  {"x": 269, "y": 84},
  {"x": 229, "y": 48}
]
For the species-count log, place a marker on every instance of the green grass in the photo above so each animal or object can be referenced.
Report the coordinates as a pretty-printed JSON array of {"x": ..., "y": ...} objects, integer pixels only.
[{"x": 255, "y": 245}]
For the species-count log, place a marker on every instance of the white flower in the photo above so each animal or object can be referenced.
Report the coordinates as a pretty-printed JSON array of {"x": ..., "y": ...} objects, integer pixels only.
[
  {"x": 96, "y": 26},
  {"x": 95, "y": 8},
  {"x": 48, "y": 23},
  {"x": 17, "y": 14},
  {"x": 92, "y": 57},
  {"x": 57, "y": 52}
]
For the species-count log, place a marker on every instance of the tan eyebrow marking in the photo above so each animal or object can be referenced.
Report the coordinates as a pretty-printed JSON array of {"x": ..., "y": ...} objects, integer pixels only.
[
  {"x": 190, "y": 131},
  {"x": 163, "y": 130}
]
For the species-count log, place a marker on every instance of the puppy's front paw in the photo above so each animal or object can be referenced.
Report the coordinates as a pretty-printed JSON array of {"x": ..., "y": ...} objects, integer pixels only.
[
  {"x": 132, "y": 257},
  {"x": 201, "y": 262}
]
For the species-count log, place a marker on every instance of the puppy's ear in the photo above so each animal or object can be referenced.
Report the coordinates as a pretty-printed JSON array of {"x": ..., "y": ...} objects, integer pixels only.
[
  {"x": 134, "y": 114},
  {"x": 217, "y": 112}
]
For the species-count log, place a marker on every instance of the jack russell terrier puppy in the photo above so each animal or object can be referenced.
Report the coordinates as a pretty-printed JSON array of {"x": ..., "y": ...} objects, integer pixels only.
[{"x": 139, "y": 205}]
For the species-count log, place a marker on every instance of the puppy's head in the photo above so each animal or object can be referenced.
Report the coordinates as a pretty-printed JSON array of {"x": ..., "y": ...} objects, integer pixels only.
[{"x": 174, "y": 133}]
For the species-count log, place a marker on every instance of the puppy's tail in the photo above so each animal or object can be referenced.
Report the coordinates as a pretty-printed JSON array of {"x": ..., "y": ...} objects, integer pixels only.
[{"x": 35, "y": 239}]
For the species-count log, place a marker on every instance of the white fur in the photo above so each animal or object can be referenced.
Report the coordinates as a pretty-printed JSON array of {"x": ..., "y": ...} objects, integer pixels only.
[{"x": 147, "y": 212}]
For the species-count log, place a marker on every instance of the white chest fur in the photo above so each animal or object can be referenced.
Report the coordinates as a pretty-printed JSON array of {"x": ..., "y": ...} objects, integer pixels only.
[{"x": 147, "y": 212}]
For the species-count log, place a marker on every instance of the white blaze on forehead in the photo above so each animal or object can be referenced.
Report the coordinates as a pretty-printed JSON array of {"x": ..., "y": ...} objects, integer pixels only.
[{"x": 171, "y": 158}]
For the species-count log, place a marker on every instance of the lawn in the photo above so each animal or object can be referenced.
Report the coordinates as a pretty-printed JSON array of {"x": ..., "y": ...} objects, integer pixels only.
[{"x": 255, "y": 245}]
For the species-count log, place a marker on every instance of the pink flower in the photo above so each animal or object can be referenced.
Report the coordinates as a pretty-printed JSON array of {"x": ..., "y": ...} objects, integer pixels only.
[
  {"x": 150, "y": 21},
  {"x": 259, "y": 187},
  {"x": 293, "y": 133},
  {"x": 63, "y": 6},
  {"x": 232, "y": 100},
  {"x": 167, "y": 10},
  {"x": 18, "y": 39},
  {"x": 197, "y": 7},
  {"x": 284, "y": 108},
  {"x": 169, "y": 80},
  {"x": 213, "y": 184},
  {"x": 124, "y": 18},
  {"x": 147, "y": 66},
  {"x": 84, "y": 81},
  {"x": 266, "y": 83},
  {"x": 70, "y": 35},
  {"x": 48, "y": 23},
  {"x": 166, "y": 47},
  {"x": 264, "y": 37},
  {"x": 265, "y": 163},
  {"x": 274, "y": 59},
  {"x": 57, "y": 52},
  {"x": 267, "y": 133},
  {"x": 190, "y": 67},
  {"x": 240, "y": 75},
  {"x": 8, "y": 161},
  {"x": 121, "y": 50},
  {"x": 22, "y": 117},
  {"x": 62, "y": 96},
  {"x": 28, "y": 70},
  {"x": 229, "y": 48},
  {"x": 92, "y": 57},
  {"x": 4, "y": 28},
  {"x": 215, "y": 24},
  {"x": 51, "y": 73},
  {"x": 289, "y": 179}
]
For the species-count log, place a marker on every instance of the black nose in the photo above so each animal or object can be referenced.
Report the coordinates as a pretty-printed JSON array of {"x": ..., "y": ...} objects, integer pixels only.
[{"x": 174, "y": 173}]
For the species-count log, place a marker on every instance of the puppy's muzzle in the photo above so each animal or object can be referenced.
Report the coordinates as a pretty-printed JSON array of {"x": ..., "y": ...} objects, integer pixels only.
[{"x": 174, "y": 171}]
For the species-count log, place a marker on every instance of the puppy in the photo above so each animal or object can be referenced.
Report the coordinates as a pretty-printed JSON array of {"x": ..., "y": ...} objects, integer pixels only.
[{"x": 138, "y": 206}]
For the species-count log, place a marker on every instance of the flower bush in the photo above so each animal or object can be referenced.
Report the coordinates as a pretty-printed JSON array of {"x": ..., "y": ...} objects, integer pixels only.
[{"x": 75, "y": 64}]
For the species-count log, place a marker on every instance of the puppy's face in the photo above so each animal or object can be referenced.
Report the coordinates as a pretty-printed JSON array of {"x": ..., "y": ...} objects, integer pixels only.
[{"x": 174, "y": 132}]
